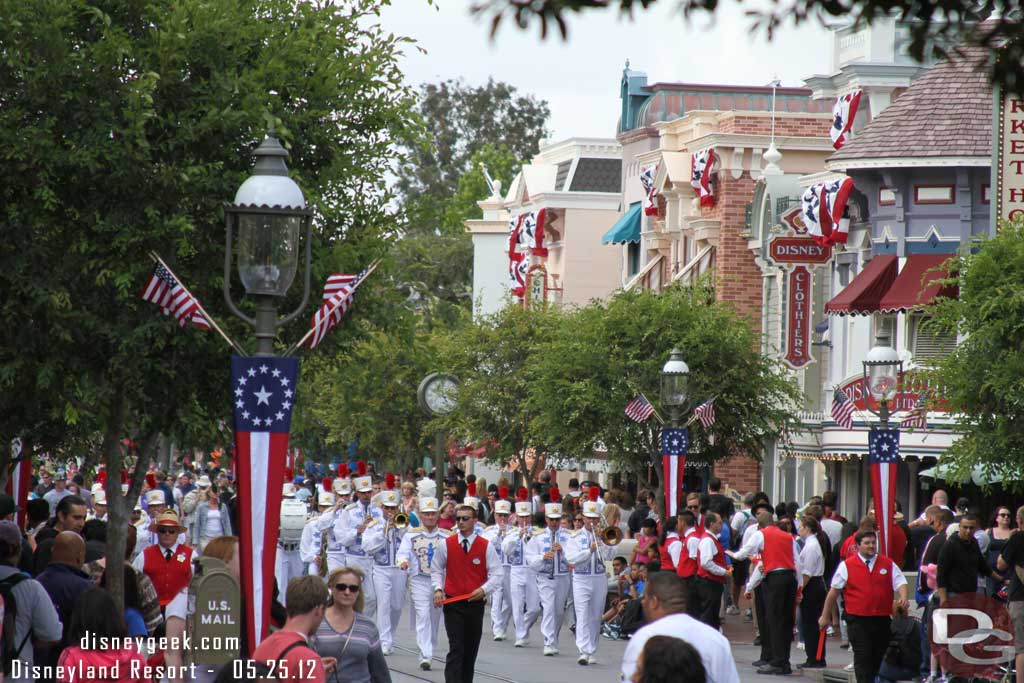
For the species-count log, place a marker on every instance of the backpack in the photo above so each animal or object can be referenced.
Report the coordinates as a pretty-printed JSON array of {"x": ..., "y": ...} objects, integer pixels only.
[
  {"x": 10, "y": 648},
  {"x": 904, "y": 649}
]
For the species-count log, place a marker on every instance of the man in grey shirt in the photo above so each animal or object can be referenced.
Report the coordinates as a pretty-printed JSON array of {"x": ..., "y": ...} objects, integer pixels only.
[
  {"x": 37, "y": 619},
  {"x": 60, "y": 490}
]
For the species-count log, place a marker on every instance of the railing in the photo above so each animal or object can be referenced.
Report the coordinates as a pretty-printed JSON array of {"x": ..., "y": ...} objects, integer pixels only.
[{"x": 644, "y": 272}]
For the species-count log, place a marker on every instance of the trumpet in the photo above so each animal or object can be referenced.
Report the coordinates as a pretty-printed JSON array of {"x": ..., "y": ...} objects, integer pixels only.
[
  {"x": 400, "y": 520},
  {"x": 610, "y": 535}
]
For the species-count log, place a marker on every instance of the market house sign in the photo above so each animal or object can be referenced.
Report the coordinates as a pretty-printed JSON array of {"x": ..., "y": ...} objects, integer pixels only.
[
  {"x": 798, "y": 255},
  {"x": 1008, "y": 161}
]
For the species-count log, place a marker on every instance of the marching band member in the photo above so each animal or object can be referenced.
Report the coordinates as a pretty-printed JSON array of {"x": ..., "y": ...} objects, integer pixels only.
[
  {"x": 288, "y": 562},
  {"x": 99, "y": 505},
  {"x": 501, "y": 600},
  {"x": 343, "y": 485},
  {"x": 157, "y": 505},
  {"x": 310, "y": 546},
  {"x": 587, "y": 553},
  {"x": 348, "y": 530},
  {"x": 472, "y": 501},
  {"x": 416, "y": 554},
  {"x": 522, "y": 579},
  {"x": 381, "y": 540},
  {"x": 545, "y": 553}
]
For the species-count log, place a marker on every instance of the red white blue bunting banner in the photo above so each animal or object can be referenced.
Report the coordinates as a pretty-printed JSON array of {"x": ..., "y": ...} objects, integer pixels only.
[
  {"x": 824, "y": 211},
  {"x": 702, "y": 165},
  {"x": 843, "y": 114}
]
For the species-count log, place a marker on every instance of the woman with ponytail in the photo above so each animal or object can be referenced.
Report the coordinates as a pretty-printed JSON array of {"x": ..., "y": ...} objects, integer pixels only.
[{"x": 811, "y": 568}]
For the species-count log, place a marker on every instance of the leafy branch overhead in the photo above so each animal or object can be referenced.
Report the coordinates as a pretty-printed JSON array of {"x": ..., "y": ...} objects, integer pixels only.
[{"x": 934, "y": 27}]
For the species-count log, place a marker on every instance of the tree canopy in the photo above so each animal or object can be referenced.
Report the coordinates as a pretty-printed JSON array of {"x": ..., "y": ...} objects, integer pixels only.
[
  {"x": 559, "y": 381},
  {"x": 983, "y": 378},
  {"x": 127, "y": 125},
  {"x": 935, "y": 26}
]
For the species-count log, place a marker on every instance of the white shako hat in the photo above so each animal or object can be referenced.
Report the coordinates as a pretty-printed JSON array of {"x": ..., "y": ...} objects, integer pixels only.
[
  {"x": 325, "y": 499},
  {"x": 524, "y": 508},
  {"x": 389, "y": 498},
  {"x": 428, "y": 504},
  {"x": 502, "y": 507},
  {"x": 288, "y": 490}
]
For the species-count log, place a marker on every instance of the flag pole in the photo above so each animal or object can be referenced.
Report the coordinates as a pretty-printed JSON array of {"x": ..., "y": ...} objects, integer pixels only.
[
  {"x": 156, "y": 257},
  {"x": 369, "y": 270}
]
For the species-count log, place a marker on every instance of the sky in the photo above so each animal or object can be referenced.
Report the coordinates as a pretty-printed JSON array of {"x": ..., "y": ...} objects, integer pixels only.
[{"x": 579, "y": 78}]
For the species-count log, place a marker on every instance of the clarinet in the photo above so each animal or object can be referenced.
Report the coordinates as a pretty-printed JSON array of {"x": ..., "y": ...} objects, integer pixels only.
[{"x": 554, "y": 555}]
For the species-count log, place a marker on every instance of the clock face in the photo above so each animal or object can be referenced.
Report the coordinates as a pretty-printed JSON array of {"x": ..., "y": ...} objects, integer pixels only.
[{"x": 440, "y": 395}]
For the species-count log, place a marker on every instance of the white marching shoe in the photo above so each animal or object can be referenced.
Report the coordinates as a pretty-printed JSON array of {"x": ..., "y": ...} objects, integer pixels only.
[
  {"x": 582, "y": 660},
  {"x": 550, "y": 651},
  {"x": 425, "y": 663},
  {"x": 522, "y": 642}
]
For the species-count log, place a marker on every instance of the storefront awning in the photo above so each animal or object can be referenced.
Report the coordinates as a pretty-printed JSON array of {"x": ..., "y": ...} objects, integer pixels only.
[
  {"x": 626, "y": 229},
  {"x": 918, "y": 284},
  {"x": 864, "y": 294}
]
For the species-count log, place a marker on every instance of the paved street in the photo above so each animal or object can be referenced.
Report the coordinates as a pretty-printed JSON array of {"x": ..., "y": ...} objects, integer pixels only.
[{"x": 503, "y": 662}]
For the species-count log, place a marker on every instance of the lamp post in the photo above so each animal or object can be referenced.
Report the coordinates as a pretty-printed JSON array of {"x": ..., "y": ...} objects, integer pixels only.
[
  {"x": 883, "y": 368},
  {"x": 674, "y": 378},
  {"x": 269, "y": 213}
]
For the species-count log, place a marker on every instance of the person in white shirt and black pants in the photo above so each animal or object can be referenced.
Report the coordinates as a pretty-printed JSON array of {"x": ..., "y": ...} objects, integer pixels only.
[
  {"x": 811, "y": 570},
  {"x": 466, "y": 567}
]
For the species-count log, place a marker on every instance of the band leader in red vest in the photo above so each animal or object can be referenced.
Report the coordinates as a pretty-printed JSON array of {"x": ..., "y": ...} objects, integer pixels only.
[
  {"x": 168, "y": 564},
  {"x": 868, "y": 582},
  {"x": 466, "y": 566}
]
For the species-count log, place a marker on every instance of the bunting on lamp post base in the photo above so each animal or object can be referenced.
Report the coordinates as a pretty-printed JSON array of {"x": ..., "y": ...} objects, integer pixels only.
[
  {"x": 883, "y": 458},
  {"x": 263, "y": 392},
  {"x": 673, "y": 463}
]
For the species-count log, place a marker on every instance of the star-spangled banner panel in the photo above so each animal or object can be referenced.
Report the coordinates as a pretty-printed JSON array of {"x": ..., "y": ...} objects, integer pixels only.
[
  {"x": 263, "y": 393},
  {"x": 673, "y": 441},
  {"x": 884, "y": 446}
]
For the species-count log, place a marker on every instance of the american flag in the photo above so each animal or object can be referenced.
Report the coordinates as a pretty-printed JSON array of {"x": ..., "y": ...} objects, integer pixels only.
[
  {"x": 339, "y": 290},
  {"x": 164, "y": 291},
  {"x": 842, "y": 409},
  {"x": 917, "y": 418},
  {"x": 883, "y": 458},
  {"x": 705, "y": 413},
  {"x": 639, "y": 409}
]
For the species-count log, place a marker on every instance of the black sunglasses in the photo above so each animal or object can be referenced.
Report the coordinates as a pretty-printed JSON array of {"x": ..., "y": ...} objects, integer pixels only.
[
  {"x": 463, "y": 519},
  {"x": 342, "y": 587},
  {"x": 168, "y": 532}
]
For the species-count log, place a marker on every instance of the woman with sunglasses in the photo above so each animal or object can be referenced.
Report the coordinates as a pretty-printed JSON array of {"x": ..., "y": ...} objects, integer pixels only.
[
  {"x": 347, "y": 635},
  {"x": 998, "y": 534}
]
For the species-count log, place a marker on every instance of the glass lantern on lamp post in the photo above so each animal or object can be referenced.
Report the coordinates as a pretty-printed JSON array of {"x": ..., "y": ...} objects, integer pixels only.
[
  {"x": 269, "y": 213},
  {"x": 883, "y": 369},
  {"x": 674, "y": 378}
]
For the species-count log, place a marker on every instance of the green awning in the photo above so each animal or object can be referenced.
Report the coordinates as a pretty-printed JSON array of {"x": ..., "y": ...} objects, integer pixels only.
[{"x": 626, "y": 229}]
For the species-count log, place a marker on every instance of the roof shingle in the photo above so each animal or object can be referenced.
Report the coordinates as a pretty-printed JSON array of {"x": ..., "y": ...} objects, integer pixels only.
[{"x": 946, "y": 112}]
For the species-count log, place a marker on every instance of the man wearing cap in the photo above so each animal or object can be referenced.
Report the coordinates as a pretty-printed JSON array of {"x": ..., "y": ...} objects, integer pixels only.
[
  {"x": 525, "y": 599},
  {"x": 192, "y": 499},
  {"x": 60, "y": 491},
  {"x": 416, "y": 555},
  {"x": 501, "y": 602},
  {"x": 466, "y": 570},
  {"x": 587, "y": 553},
  {"x": 99, "y": 505},
  {"x": 349, "y": 526},
  {"x": 381, "y": 541},
  {"x": 545, "y": 554},
  {"x": 319, "y": 523}
]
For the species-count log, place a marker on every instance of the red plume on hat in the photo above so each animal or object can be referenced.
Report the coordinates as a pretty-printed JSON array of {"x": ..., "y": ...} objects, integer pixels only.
[
  {"x": 502, "y": 492},
  {"x": 343, "y": 471},
  {"x": 101, "y": 477},
  {"x": 361, "y": 469},
  {"x": 522, "y": 495},
  {"x": 326, "y": 483},
  {"x": 151, "y": 480},
  {"x": 471, "y": 489},
  {"x": 124, "y": 476},
  {"x": 554, "y": 496},
  {"x": 593, "y": 493},
  {"x": 289, "y": 474},
  {"x": 389, "y": 481}
]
